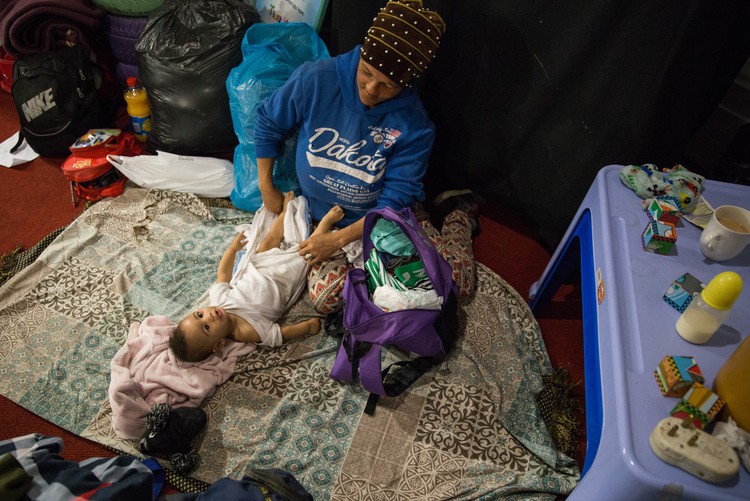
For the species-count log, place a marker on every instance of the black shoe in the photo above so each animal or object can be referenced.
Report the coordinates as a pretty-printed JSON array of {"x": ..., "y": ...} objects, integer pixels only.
[
  {"x": 464, "y": 200},
  {"x": 171, "y": 433}
]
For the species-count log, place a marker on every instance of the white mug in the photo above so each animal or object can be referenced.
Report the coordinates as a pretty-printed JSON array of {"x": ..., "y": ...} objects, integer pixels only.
[{"x": 726, "y": 234}]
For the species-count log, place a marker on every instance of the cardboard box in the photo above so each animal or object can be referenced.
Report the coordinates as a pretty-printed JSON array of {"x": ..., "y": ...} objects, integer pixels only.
[{"x": 676, "y": 374}]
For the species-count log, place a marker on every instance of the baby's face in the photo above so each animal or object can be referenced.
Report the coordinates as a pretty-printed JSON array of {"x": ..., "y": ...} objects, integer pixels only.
[{"x": 205, "y": 328}]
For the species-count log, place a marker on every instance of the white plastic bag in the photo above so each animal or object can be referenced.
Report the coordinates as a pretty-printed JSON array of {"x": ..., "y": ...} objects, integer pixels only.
[
  {"x": 205, "y": 176},
  {"x": 735, "y": 437}
]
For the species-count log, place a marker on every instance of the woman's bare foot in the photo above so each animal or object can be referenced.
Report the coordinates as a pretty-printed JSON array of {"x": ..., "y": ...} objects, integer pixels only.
[
  {"x": 332, "y": 217},
  {"x": 288, "y": 197}
]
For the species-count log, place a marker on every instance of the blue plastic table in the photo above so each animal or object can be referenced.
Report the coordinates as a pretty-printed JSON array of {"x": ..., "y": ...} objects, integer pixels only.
[{"x": 628, "y": 331}]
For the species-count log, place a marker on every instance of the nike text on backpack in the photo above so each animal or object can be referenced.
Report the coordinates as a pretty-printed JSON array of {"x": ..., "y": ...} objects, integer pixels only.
[{"x": 55, "y": 97}]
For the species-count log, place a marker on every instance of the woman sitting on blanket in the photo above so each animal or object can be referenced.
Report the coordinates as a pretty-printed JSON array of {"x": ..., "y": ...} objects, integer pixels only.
[{"x": 249, "y": 302}]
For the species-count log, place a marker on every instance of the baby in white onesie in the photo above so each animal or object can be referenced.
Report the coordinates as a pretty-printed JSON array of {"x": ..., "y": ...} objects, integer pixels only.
[{"x": 267, "y": 280}]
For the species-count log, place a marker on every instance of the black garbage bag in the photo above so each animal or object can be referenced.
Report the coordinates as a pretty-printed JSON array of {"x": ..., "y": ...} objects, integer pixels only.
[{"x": 184, "y": 56}]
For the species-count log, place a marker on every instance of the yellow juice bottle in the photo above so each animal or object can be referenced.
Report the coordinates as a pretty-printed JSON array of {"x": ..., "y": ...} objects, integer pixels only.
[{"x": 138, "y": 109}]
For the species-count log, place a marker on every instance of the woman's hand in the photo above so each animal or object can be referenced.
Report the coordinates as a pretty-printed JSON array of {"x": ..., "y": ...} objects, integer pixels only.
[
  {"x": 320, "y": 247},
  {"x": 273, "y": 199}
]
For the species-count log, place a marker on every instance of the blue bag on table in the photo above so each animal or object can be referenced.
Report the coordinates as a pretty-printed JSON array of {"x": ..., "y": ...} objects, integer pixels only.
[{"x": 270, "y": 53}]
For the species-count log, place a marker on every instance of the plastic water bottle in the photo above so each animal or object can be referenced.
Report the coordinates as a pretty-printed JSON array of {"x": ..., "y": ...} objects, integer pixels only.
[
  {"x": 708, "y": 310},
  {"x": 138, "y": 109}
]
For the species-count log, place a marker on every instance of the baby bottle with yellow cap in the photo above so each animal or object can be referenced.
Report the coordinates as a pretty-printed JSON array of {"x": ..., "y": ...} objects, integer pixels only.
[{"x": 708, "y": 310}]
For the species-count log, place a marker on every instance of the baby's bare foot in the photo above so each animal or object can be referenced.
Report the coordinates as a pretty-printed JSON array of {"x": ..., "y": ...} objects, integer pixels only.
[
  {"x": 288, "y": 197},
  {"x": 332, "y": 217},
  {"x": 313, "y": 326}
]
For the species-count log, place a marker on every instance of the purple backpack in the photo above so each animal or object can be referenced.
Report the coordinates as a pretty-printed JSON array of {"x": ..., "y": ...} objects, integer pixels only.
[{"x": 368, "y": 329}]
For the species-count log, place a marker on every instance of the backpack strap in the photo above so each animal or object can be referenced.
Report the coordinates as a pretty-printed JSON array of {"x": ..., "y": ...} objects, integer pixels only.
[
  {"x": 276, "y": 483},
  {"x": 346, "y": 365},
  {"x": 395, "y": 382},
  {"x": 370, "y": 370},
  {"x": 19, "y": 142},
  {"x": 372, "y": 402},
  {"x": 405, "y": 374}
]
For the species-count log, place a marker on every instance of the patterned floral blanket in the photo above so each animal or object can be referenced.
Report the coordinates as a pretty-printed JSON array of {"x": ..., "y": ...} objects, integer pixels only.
[{"x": 468, "y": 429}]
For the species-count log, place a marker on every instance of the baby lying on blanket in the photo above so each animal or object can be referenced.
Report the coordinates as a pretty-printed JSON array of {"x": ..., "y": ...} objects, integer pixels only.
[
  {"x": 268, "y": 279},
  {"x": 248, "y": 304}
]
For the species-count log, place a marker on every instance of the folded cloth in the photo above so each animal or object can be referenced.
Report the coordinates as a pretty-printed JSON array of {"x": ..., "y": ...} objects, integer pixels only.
[
  {"x": 34, "y": 26},
  {"x": 391, "y": 299},
  {"x": 386, "y": 236},
  {"x": 377, "y": 274},
  {"x": 678, "y": 182}
]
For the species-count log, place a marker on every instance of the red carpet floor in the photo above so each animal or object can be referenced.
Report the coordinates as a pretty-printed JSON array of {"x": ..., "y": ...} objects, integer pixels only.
[{"x": 35, "y": 200}]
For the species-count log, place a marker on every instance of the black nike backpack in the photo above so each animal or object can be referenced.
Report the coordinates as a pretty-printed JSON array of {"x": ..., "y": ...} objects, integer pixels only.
[{"x": 55, "y": 97}]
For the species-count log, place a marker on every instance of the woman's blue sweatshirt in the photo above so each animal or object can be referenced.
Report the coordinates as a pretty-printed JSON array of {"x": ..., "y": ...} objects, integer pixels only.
[{"x": 347, "y": 154}]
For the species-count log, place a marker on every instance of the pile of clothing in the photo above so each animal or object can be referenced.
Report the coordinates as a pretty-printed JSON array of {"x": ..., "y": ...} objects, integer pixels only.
[{"x": 399, "y": 281}]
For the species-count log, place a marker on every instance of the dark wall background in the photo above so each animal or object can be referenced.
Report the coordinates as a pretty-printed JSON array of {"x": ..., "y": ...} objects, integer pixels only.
[{"x": 532, "y": 98}]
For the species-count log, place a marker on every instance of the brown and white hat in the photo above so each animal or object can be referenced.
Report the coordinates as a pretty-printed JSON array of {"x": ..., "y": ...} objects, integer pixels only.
[{"x": 402, "y": 40}]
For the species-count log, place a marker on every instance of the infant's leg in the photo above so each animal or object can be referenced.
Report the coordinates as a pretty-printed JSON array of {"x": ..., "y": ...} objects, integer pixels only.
[
  {"x": 332, "y": 217},
  {"x": 276, "y": 231}
]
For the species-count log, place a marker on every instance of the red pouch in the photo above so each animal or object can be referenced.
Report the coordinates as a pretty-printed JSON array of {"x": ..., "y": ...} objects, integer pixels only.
[{"x": 91, "y": 176}]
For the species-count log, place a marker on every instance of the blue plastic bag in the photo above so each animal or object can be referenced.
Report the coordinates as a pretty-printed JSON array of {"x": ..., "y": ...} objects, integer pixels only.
[{"x": 270, "y": 53}]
